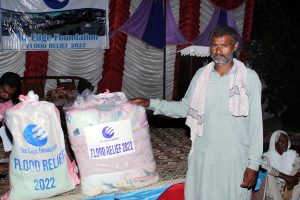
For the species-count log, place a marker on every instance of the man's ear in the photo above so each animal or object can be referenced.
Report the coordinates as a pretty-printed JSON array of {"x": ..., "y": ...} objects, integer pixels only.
[{"x": 236, "y": 45}]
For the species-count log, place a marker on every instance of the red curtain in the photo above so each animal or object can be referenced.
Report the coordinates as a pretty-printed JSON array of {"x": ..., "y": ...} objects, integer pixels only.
[
  {"x": 247, "y": 28},
  {"x": 113, "y": 65},
  {"x": 36, "y": 65},
  {"x": 189, "y": 25}
]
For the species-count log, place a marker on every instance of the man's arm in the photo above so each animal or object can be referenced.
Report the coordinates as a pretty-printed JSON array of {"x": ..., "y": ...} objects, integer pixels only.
[
  {"x": 255, "y": 130},
  {"x": 255, "y": 123},
  {"x": 141, "y": 101},
  {"x": 175, "y": 109}
]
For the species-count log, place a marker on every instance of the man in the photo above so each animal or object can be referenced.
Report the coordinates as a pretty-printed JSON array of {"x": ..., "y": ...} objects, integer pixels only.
[{"x": 223, "y": 110}]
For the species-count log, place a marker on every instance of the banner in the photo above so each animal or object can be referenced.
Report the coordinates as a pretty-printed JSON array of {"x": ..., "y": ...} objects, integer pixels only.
[{"x": 54, "y": 24}]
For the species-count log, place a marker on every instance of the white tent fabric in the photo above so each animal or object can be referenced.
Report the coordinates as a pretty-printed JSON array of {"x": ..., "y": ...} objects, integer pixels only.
[
  {"x": 143, "y": 68},
  {"x": 83, "y": 63},
  {"x": 239, "y": 14},
  {"x": 11, "y": 61},
  {"x": 206, "y": 12},
  {"x": 143, "y": 73}
]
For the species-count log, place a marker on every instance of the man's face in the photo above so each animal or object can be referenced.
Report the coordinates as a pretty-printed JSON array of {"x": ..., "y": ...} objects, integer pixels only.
[
  {"x": 282, "y": 144},
  {"x": 221, "y": 49},
  {"x": 6, "y": 92}
]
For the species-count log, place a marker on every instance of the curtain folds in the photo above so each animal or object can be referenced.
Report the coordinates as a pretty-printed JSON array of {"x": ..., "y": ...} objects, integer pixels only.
[
  {"x": 247, "y": 28},
  {"x": 83, "y": 63},
  {"x": 113, "y": 65},
  {"x": 227, "y": 5},
  {"x": 147, "y": 24},
  {"x": 189, "y": 24},
  {"x": 11, "y": 61},
  {"x": 36, "y": 63},
  {"x": 131, "y": 65},
  {"x": 173, "y": 34},
  {"x": 143, "y": 74},
  {"x": 217, "y": 18},
  {"x": 189, "y": 18}
]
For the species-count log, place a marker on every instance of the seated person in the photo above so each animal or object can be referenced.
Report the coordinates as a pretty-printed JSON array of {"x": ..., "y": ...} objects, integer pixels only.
[
  {"x": 10, "y": 89},
  {"x": 282, "y": 165}
]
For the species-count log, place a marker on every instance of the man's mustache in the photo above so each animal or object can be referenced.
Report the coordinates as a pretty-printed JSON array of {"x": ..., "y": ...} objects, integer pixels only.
[{"x": 215, "y": 55}]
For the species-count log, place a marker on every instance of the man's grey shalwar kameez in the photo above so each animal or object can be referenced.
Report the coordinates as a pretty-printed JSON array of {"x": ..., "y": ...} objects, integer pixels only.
[{"x": 228, "y": 145}]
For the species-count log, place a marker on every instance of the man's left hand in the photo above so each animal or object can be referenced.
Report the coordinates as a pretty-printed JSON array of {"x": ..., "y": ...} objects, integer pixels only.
[{"x": 249, "y": 179}]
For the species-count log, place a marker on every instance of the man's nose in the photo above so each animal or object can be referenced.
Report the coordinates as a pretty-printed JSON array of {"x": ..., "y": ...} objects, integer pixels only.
[{"x": 218, "y": 50}]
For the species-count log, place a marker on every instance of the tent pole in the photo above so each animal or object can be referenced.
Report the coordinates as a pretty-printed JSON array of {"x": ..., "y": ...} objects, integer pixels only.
[
  {"x": 165, "y": 51},
  {"x": 164, "y": 74}
]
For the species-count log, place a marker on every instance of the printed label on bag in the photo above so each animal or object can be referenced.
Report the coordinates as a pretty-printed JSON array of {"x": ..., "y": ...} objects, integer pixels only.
[
  {"x": 40, "y": 164},
  {"x": 35, "y": 135},
  {"x": 109, "y": 139},
  {"x": 35, "y": 153}
]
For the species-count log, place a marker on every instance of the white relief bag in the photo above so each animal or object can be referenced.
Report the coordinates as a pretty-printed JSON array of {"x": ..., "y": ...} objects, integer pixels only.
[
  {"x": 111, "y": 142},
  {"x": 39, "y": 165}
]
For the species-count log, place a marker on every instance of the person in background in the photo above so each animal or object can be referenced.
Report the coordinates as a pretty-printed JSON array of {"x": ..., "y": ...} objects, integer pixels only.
[
  {"x": 282, "y": 165},
  {"x": 10, "y": 89},
  {"x": 222, "y": 107}
]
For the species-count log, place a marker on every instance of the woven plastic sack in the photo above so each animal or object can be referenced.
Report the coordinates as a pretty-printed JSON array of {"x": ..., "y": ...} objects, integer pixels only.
[
  {"x": 39, "y": 165},
  {"x": 111, "y": 142}
]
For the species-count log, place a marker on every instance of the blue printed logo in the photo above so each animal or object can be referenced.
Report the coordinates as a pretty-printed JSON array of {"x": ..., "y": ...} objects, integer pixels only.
[
  {"x": 35, "y": 135},
  {"x": 108, "y": 132},
  {"x": 56, "y": 4}
]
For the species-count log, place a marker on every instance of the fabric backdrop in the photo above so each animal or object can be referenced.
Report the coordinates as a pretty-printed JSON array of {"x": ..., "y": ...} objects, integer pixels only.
[{"x": 129, "y": 65}]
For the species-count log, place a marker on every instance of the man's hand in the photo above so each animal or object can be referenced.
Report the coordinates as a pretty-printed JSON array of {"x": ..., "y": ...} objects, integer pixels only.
[
  {"x": 141, "y": 101},
  {"x": 249, "y": 179}
]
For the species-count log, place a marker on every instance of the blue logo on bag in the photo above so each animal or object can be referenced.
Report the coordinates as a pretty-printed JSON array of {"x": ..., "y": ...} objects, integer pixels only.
[
  {"x": 35, "y": 135},
  {"x": 108, "y": 132},
  {"x": 56, "y": 4}
]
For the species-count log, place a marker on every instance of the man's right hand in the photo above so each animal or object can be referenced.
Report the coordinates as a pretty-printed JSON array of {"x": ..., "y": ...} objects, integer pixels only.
[{"x": 141, "y": 101}]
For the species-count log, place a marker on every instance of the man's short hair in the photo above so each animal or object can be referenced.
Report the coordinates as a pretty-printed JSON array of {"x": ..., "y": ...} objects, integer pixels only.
[
  {"x": 11, "y": 79},
  {"x": 220, "y": 31}
]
